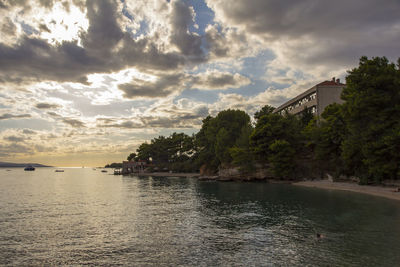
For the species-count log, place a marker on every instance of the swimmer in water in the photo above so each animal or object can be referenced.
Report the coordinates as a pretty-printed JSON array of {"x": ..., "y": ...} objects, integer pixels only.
[{"x": 319, "y": 236}]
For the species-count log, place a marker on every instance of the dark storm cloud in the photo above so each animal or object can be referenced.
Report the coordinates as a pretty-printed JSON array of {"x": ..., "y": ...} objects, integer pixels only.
[
  {"x": 7, "y": 116},
  {"x": 73, "y": 122},
  {"x": 164, "y": 86},
  {"x": 46, "y": 106}
]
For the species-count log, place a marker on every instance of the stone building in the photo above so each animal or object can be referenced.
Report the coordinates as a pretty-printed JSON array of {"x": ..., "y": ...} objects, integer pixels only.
[{"x": 315, "y": 98}]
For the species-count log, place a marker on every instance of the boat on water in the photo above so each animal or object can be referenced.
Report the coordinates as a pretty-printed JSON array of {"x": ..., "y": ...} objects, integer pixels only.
[
  {"x": 117, "y": 172},
  {"x": 29, "y": 168},
  {"x": 59, "y": 170}
]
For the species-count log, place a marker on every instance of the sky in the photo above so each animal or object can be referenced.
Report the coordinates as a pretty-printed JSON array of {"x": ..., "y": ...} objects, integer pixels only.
[{"x": 84, "y": 83}]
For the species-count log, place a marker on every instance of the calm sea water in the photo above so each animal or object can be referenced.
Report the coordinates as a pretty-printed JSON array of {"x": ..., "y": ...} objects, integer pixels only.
[{"x": 85, "y": 217}]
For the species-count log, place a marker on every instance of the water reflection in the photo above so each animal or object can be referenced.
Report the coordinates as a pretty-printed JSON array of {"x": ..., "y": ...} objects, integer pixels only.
[{"x": 87, "y": 217}]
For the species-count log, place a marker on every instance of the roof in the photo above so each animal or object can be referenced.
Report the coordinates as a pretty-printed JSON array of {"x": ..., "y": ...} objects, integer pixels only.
[{"x": 330, "y": 83}]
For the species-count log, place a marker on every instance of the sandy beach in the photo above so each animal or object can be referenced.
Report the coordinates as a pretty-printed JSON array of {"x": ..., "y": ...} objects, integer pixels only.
[{"x": 381, "y": 191}]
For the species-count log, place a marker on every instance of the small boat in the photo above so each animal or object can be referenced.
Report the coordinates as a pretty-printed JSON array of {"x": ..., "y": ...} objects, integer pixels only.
[
  {"x": 29, "y": 168},
  {"x": 117, "y": 172},
  {"x": 59, "y": 170},
  {"x": 103, "y": 171}
]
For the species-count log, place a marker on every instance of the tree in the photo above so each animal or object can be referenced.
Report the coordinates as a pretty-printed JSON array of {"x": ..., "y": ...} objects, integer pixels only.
[
  {"x": 281, "y": 158},
  {"x": 131, "y": 156},
  {"x": 217, "y": 135},
  {"x": 241, "y": 153},
  {"x": 265, "y": 110},
  {"x": 271, "y": 127},
  {"x": 326, "y": 139},
  {"x": 372, "y": 115}
]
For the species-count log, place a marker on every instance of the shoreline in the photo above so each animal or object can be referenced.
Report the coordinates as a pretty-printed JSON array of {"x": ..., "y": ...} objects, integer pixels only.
[
  {"x": 380, "y": 191},
  {"x": 374, "y": 190},
  {"x": 168, "y": 174}
]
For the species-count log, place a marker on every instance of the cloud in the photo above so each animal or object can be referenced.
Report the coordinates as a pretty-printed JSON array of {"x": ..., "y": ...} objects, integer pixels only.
[
  {"x": 188, "y": 43},
  {"x": 315, "y": 37},
  {"x": 105, "y": 47},
  {"x": 53, "y": 114},
  {"x": 28, "y": 131},
  {"x": 14, "y": 138},
  {"x": 8, "y": 116},
  {"x": 46, "y": 106},
  {"x": 163, "y": 86},
  {"x": 219, "y": 80},
  {"x": 125, "y": 124},
  {"x": 73, "y": 122}
]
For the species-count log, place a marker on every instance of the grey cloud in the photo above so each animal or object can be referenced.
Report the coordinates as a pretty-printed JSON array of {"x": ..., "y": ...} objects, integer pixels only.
[
  {"x": 46, "y": 106},
  {"x": 164, "y": 86},
  {"x": 47, "y": 3},
  {"x": 28, "y": 131},
  {"x": 13, "y": 138},
  {"x": 53, "y": 114},
  {"x": 15, "y": 148},
  {"x": 73, "y": 122},
  {"x": 219, "y": 80},
  {"x": 175, "y": 118},
  {"x": 8, "y": 27},
  {"x": 35, "y": 59},
  {"x": 103, "y": 32},
  {"x": 43, "y": 27},
  {"x": 125, "y": 124},
  {"x": 310, "y": 17},
  {"x": 188, "y": 43},
  {"x": 225, "y": 43},
  {"x": 319, "y": 32},
  {"x": 105, "y": 120},
  {"x": 7, "y": 116}
]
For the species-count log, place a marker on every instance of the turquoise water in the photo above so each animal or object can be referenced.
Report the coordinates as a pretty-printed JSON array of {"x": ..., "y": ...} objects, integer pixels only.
[{"x": 85, "y": 217}]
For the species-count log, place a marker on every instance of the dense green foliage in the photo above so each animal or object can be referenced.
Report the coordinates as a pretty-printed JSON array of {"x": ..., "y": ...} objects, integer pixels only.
[
  {"x": 360, "y": 137},
  {"x": 175, "y": 152},
  {"x": 114, "y": 165},
  {"x": 372, "y": 116},
  {"x": 219, "y": 135}
]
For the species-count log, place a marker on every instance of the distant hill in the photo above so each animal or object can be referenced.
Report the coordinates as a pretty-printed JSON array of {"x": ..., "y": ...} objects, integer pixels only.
[{"x": 10, "y": 165}]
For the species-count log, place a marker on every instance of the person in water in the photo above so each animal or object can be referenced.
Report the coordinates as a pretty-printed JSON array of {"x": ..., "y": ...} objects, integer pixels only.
[{"x": 319, "y": 236}]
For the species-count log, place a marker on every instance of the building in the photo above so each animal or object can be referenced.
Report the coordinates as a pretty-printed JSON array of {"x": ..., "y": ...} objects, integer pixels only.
[
  {"x": 133, "y": 166},
  {"x": 315, "y": 98}
]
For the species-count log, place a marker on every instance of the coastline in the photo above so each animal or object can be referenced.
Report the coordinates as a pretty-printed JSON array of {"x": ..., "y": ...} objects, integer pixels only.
[
  {"x": 380, "y": 191},
  {"x": 168, "y": 174}
]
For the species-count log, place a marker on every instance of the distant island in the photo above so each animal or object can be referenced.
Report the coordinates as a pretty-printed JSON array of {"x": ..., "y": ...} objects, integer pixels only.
[{"x": 18, "y": 165}]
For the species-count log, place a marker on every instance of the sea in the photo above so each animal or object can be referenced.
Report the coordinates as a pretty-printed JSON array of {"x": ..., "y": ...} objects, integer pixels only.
[{"x": 84, "y": 216}]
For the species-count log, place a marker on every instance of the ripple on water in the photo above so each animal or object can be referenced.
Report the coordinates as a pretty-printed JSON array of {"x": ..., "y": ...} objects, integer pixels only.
[{"x": 81, "y": 217}]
